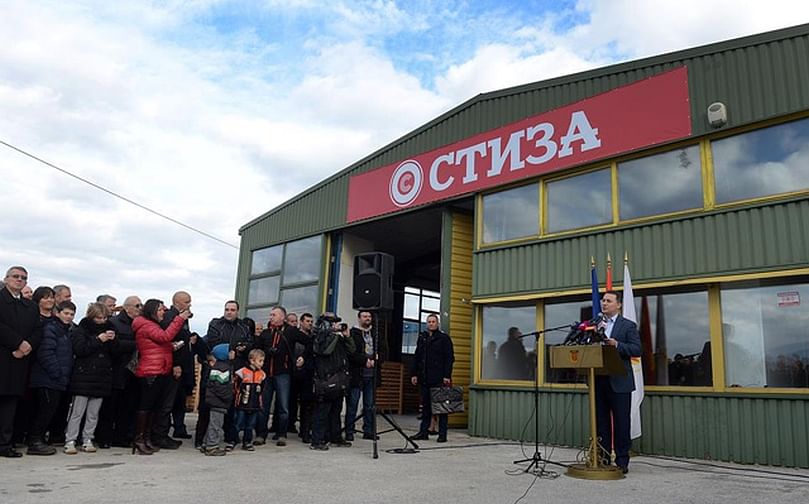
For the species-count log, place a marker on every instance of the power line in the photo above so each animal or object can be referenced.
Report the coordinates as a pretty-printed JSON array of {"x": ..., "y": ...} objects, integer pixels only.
[{"x": 116, "y": 195}]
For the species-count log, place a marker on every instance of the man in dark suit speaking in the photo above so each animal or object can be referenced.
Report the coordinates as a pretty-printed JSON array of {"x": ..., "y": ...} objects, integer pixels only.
[{"x": 614, "y": 393}]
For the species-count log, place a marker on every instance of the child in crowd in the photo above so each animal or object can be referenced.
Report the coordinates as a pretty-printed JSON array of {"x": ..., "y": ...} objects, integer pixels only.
[
  {"x": 50, "y": 375},
  {"x": 249, "y": 384},
  {"x": 93, "y": 344},
  {"x": 218, "y": 397}
]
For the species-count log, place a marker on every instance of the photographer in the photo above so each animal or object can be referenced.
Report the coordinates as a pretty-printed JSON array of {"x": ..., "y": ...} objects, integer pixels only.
[
  {"x": 331, "y": 345},
  {"x": 277, "y": 341}
]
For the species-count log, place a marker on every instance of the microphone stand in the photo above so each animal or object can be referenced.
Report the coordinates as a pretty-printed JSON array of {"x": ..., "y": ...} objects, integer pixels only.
[{"x": 536, "y": 459}]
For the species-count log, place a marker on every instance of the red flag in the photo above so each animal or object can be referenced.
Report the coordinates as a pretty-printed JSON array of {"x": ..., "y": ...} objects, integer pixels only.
[
  {"x": 645, "y": 330},
  {"x": 609, "y": 273}
]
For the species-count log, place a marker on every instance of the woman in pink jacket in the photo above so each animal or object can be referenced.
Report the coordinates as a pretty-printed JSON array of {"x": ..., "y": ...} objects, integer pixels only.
[{"x": 155, "y": 348}]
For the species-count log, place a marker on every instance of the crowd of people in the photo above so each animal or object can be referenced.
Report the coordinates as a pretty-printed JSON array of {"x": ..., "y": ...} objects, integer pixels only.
[{"x": 120, "y": 376}]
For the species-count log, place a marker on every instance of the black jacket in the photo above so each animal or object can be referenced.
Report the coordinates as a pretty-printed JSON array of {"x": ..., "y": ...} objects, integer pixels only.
[
  {"x": 54, "y": 363},
  {"x": 19, "y": 320},
  {"x": 331, "y": 351},
  {"x": 221, "y": 330},
  {"x": 92, "y": 369},
  {"x": 358, "y": 358},
  {"x": 122, "y": 324},
  {"x": 278, "y": 345},
  {"x": 219, "y": 387},
  {"x": 184, "y": 357},
  {"x": 433, "y": 359}
]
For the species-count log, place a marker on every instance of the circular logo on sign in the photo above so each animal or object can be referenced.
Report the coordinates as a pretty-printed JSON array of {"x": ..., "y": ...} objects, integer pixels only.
[{"x": 406, "y": 182}]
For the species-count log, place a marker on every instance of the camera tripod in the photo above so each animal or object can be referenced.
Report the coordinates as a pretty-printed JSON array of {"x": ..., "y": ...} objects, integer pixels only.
[{"x": 537, "y": 462}]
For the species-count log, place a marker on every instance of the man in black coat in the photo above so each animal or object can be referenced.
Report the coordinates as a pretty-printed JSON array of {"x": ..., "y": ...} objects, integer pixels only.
[
  {"x": 232, "y": 331},
  {"x": 116, "y": 419},
  {"x": 432, "y": 367},
  {"x": 20, "y": 333}
]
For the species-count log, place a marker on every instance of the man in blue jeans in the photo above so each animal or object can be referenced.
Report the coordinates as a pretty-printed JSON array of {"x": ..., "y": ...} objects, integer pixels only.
[
  {"x": 277, "y": 341},
  {"x": 362, "y": 363}
]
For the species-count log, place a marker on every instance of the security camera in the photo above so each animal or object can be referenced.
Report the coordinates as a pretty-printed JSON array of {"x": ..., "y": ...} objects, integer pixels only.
[{"x": 717, "y": 114}]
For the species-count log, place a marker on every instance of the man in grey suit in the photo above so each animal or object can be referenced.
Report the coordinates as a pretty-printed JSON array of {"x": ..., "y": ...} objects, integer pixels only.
[{"x": 614, "y": 393}]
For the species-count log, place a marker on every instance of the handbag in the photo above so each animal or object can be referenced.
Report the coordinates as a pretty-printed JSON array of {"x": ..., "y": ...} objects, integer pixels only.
[
  {"x": 132, "y": 365},
  {"x": 444, "y": 400},
  {"x": 332, "y": 386}
]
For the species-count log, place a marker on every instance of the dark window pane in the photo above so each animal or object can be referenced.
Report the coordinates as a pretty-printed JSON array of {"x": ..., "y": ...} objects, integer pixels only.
[
  {"x": 504, "y": 357},
  {"x": 302, "y": 260},
  {"x": 663, "y": 183},
  {"x": 674, "y": 333},
  {"x": 301, "y": 299},
  {"x": 763, "y": 162},
  {"x": 511, "y": 214},
  {"x": 675, "y": 338},
  {"x": 266, "y": 260},
  {"x": 579, "y": 201},
  {"x": 765, "y": 335},
  {"x": 263, "y": 290}
]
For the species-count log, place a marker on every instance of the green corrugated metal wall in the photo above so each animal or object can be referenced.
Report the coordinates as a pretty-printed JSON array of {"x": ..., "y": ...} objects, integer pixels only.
[
  {"x": 747, "y": 429},
  {"x": 757, "y": 77},
  {"x": 769, "y": 236}
]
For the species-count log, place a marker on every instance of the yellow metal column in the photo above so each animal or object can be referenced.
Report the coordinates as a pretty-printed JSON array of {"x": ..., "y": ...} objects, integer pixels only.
[{"x": 460, "y": 307}]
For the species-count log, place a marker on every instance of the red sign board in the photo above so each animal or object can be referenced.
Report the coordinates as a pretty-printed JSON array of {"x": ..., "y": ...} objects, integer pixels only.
[{"x": 645, "y": 113}]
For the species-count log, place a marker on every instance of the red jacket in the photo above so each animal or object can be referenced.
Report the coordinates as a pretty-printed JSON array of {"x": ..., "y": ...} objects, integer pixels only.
[{"x": 154, "y": 345}]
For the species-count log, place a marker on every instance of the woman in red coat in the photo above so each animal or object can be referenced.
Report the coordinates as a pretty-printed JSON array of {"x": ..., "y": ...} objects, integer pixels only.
[{"x": 155, "y": 348}]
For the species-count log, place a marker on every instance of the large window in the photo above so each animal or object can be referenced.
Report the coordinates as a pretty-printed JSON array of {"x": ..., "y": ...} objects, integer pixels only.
[
  {"x": 510, "y": 214},
  {"x": 579, "y": 201},
  {"x": 766, "y": 334},
  {"x": 674, "y": 332},
  {"x": 505, "y": 355},
  {"x": 418, "y": 303},
  {"x": 285, "y": 274},
  {"x": 659, "y": 184},
  {"x": 675, "y": 337},
  {"x": 762, "y": 162},
  {"x": 302, "y": 263}
]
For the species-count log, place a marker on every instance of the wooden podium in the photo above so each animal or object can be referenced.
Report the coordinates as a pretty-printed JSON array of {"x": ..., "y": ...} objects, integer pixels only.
[{"x": 592, "y": 359}]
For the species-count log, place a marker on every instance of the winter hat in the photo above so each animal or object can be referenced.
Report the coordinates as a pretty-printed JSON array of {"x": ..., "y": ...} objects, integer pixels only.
[{"x": 220, "y": 351}]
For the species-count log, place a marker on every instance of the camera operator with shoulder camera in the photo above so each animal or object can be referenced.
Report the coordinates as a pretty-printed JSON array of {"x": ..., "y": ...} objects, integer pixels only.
[{"x": 332, "y": 345}]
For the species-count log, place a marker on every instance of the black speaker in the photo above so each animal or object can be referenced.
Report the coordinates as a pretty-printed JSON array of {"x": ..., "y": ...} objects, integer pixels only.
[{"x": 373, "y": 281}]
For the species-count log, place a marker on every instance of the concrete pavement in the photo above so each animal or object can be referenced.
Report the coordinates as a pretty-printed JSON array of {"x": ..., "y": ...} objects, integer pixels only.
[{"x": 464, "y": 470}]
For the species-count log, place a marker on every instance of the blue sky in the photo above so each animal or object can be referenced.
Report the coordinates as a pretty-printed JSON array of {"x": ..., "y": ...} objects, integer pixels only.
[{"x": 214, "y": 112}]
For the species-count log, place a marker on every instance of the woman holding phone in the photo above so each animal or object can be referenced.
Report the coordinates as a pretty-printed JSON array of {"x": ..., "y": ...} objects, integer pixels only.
[{"x": 155, "y": 349}]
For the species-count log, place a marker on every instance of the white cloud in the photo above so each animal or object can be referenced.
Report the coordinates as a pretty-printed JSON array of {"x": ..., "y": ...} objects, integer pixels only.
[{"x": 215, "y": 123}]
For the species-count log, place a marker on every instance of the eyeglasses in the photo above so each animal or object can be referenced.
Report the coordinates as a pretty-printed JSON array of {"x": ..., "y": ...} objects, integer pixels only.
[{"x": 19, "y": 277}]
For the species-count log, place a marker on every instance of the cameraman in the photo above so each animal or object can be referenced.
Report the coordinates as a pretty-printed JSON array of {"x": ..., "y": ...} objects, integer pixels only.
[
  {"x": 278, "y": 342},
  {"x": 331, "y": 346}
]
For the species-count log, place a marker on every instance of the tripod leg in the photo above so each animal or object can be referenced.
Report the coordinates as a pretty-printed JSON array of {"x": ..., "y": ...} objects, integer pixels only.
[{"x": 398, "y": 429}]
